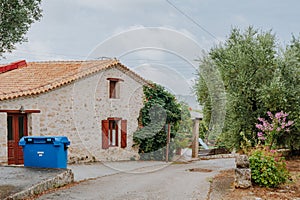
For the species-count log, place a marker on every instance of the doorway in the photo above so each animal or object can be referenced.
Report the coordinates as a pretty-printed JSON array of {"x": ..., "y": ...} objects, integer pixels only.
[{"x": 16, "y": 129}]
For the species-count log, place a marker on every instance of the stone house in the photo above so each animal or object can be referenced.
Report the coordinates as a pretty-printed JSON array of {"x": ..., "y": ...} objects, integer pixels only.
[{"x": 94, "y": 103}]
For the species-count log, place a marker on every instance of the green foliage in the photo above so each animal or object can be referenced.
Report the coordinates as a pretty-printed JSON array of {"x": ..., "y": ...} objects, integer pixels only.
[
  {"x": 246, "y": 61},
  {"x": 203, "y": 130},
  {"x": 267, "y": 169},
  {"x": 16, "y": 17},
  {"x": 211, "y": 93},
  {"x": 160, "y": 108},
  {"x": 290, "y": 73},
  {"x": 245, "y": 143},
  {"x": 184, "y": 133},
  {"x": 257, "y": 78}
]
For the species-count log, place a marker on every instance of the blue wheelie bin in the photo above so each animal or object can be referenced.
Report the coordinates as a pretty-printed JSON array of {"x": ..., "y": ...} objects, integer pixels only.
[{"x": 45, "y": 151}]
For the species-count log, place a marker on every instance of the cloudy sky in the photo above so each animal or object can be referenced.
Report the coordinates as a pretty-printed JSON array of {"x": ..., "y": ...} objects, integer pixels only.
[{"x": 151, "y": 37}]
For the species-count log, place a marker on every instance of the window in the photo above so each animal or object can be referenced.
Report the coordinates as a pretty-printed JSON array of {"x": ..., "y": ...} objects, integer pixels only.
[
  {"x": 114, "y": 88},
  {"x": 114, "y": 133}
]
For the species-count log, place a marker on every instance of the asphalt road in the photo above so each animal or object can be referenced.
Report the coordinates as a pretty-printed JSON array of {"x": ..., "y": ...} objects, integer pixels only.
[{"x": 174, "y": 181}]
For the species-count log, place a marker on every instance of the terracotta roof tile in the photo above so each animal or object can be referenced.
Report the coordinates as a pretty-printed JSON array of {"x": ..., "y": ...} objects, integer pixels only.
[{"x": 40, "y": 77}]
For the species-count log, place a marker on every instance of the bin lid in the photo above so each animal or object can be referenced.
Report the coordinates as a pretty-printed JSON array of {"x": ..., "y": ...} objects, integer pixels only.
[{"x": 55, "y": 140}]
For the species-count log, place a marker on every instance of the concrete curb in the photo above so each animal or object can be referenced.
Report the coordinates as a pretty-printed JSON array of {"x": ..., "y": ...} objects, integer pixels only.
[
  {"x": 60, "y": 180},
  {"x": 218, "y": 156}
]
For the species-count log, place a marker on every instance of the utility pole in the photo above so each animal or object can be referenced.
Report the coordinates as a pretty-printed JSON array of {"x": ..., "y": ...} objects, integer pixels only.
[
  {"x": 195, "y": 144},
  {"x": 168, "y": 142}
]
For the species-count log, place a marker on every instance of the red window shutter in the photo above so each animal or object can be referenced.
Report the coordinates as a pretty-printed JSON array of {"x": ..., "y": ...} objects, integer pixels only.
[
  {"x": 123, "y": 133},
  {"x": 105, "y": 143}
]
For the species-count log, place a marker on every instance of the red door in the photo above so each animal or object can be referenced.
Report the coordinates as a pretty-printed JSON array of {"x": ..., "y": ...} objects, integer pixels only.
[{"x": 16, "y": 129}]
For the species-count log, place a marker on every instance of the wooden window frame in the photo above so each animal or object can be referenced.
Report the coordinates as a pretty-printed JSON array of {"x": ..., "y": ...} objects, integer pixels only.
[
  {"x": 22, "y": 112},
  {"x": 114, "y": 88},
  {"x": 121, "y": 133}
]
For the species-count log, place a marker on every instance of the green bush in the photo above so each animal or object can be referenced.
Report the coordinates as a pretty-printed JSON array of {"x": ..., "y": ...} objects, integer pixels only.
[
  {"x": 267, "y": 169},
  {"x": 160, "y": 109}
]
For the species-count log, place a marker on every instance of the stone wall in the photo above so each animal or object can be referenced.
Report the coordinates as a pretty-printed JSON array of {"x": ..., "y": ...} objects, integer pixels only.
[
  {"x": 76, "y": 111},
  {"x": 57, "y": 181},
  {"x": 242, "y": 172},
  {"x": 3, "y": 137}
]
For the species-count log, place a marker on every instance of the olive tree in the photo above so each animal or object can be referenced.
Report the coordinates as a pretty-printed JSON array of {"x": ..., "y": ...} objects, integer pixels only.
[
  {"x": 257, "y": 78},
  {"x": 16, "y": 17}
]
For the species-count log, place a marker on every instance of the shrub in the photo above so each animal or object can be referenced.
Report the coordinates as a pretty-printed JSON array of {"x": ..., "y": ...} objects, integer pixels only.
[
  {"x": 270, "y": 132},
  {"x": 160, "y": 109},
  {"x": 267, "y": 168}
]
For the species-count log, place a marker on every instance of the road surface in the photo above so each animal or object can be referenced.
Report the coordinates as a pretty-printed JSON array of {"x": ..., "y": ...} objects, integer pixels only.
[{"x": 174, "y": 181}]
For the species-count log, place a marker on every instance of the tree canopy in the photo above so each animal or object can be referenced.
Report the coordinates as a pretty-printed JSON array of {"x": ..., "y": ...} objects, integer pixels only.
[
  {"x": 160, "y": 108},
  {"x": 16, "y": 17},
  {"x": 258, "y": 77}
]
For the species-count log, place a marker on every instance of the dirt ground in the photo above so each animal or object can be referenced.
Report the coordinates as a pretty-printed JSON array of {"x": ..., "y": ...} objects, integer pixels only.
[{"x": 288, "y": 191}]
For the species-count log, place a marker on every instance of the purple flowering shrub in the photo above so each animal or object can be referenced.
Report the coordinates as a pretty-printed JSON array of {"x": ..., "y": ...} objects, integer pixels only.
[
  {"x": 268, "y": 168},
  {"x": 273, "y": 128}
]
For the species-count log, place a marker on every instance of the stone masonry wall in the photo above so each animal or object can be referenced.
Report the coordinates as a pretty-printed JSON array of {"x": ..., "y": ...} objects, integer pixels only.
[
  {"x": 242, "y": 172},
  {"x": 3, "y": 137},
  {"x": 76, "y": 111}
]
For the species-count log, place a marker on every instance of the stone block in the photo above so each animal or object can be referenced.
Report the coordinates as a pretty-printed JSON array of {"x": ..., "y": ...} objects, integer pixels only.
[
  {"x": 242, "y": 178},
  {"x": 242, "y": 161}
]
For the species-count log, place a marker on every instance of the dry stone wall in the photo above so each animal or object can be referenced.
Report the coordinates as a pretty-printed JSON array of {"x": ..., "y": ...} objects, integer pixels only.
[{"x": 242, "y": 172}]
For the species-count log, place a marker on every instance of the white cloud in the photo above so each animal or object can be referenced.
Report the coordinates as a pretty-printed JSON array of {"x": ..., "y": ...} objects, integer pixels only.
[
  {"x": 117, "y": 5},
  {"x": 76, "y": 26},
  {"x": 165, "y": 76},
  {"x": 158, "y": 38}
]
